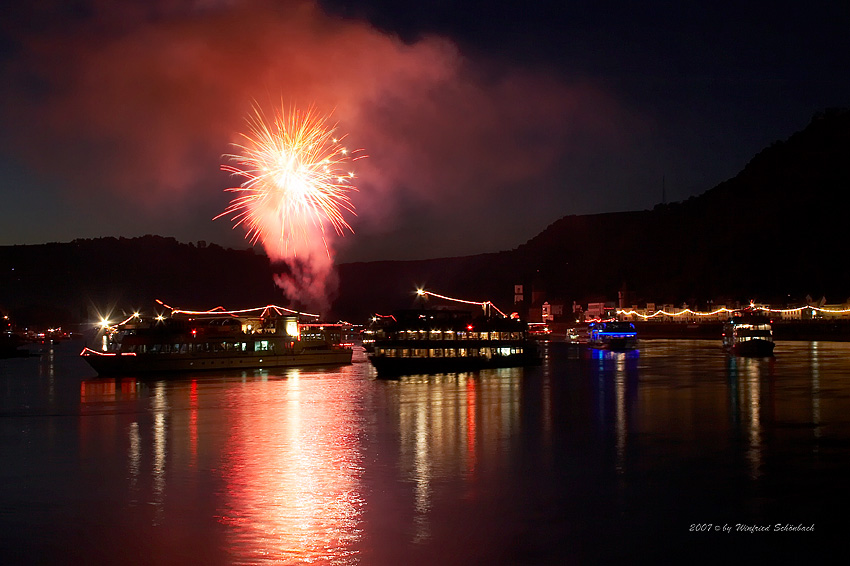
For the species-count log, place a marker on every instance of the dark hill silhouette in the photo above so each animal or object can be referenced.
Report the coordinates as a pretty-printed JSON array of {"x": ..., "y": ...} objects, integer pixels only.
[
  {"x": 776, "y": 230},
  {"x": 71, "y": 282}
]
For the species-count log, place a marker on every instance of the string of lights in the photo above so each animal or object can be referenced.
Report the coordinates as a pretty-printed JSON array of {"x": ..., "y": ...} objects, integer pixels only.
[
  {"x": 482, "y": 304},
  {"x": 221, "y": 310},
  {"x": 816, "y": 309},
  {"x": 632, "y": 312},
  {"x": 107, "y": 326},
  {"x": 657, "y": 313}
]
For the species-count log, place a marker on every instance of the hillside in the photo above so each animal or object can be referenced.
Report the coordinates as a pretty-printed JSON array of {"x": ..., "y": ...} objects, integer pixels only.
[
  {"x": 775, "y": 231},
  {"x": 62, "y": 283}
]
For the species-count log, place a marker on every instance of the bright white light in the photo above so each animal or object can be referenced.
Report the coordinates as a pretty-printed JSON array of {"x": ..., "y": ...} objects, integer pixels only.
[{"x": 292, "y": 328}]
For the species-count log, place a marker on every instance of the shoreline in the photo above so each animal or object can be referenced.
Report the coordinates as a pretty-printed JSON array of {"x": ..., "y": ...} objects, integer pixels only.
[{"x": 806, "y": 330}]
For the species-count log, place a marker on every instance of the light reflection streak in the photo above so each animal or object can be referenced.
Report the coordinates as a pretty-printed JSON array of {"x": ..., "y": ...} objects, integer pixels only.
[
  {"x": 470, "y": 427},
  {"x": 752, "y": 401},
  {"x": 546, "y": 423},
  {"x": 160, "y": 408},
  {"x": 600, "y": 383},
  {"x": 816, "y": 416},
  {"x": 51, "y": 374},
  {"x": 292, "y": 471},
  {"x": 620, "y": 393},
  {"x": 193, "y": 422},
  {"x": 134, "y": 457},
  {"x": 422, "y": 475},
  {"x": 450, "y": 425}
]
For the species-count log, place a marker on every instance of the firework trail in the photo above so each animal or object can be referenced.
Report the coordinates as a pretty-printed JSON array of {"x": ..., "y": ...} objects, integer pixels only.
[{"x": 295, "y": 189}]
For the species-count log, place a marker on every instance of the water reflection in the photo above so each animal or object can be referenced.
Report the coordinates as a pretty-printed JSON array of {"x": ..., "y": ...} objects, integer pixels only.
[
  {"x": 450, "y": 426},
  {"x": 100, "y": 390},
  {"x": 497, "y": 467},
  {"x": 48, "y": 369},
  {"x": 193, "y": 422},
  {"x": 159, "y": 407},
  {"x": 750, "y": 396},
  {"x": 620, "y": 389},
  {"x": 617, "y": 370},
  {"x": 292, "y": 469},
  {"x": 134, "y": 458},
  {"x": 814, "y": 362},
  {"x": 745, "y": 375}
]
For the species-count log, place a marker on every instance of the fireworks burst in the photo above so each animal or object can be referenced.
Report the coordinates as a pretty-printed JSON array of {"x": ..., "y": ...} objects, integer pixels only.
[{"x": 295, "y": 181}]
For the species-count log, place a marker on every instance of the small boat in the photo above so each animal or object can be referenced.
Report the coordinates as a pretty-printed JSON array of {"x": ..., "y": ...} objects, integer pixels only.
[
  {"x": 212, "y": 340},
  {"x": 612, "y": 335},
  {"x": 576, "y": 336},
  {"x": 439, "y": 341},
  {"x": 748, "y": 334}
]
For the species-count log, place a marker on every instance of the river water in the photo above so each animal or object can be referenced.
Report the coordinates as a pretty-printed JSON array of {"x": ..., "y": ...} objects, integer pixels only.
[{"x": 673, "y": 452}]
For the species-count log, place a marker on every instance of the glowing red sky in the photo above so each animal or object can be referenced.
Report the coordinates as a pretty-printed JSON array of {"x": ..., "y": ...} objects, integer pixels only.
[{"x": 117, "y": 115}]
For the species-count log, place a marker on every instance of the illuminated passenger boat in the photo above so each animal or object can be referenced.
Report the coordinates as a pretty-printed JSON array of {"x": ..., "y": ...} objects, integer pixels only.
[
  {"x": 612, "y": 335},
  {"x": 440, "y": 341},
  {"x": 212, "y": 340},
  {"x": 748, "y": 334}
]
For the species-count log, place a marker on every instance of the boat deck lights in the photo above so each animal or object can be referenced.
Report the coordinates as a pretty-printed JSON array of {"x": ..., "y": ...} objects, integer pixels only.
[{"x": 482, "y": 304}]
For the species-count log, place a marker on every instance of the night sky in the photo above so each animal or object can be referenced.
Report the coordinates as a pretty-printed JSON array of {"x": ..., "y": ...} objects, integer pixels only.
[{"x": 483, "y": 122}]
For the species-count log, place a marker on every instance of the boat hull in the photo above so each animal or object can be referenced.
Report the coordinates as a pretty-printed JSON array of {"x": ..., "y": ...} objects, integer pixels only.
[{"x": 125, "y": 364}]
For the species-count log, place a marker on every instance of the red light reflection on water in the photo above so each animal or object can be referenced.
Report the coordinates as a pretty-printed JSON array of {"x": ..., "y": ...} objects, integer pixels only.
[
  {"x": 101, "y": 389},
  {"x": 193, "y": 421},
  {"x": 470, "y": 425},
  {"x": 292, "y": 473},
  {"x": 453, "y": 426}
]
